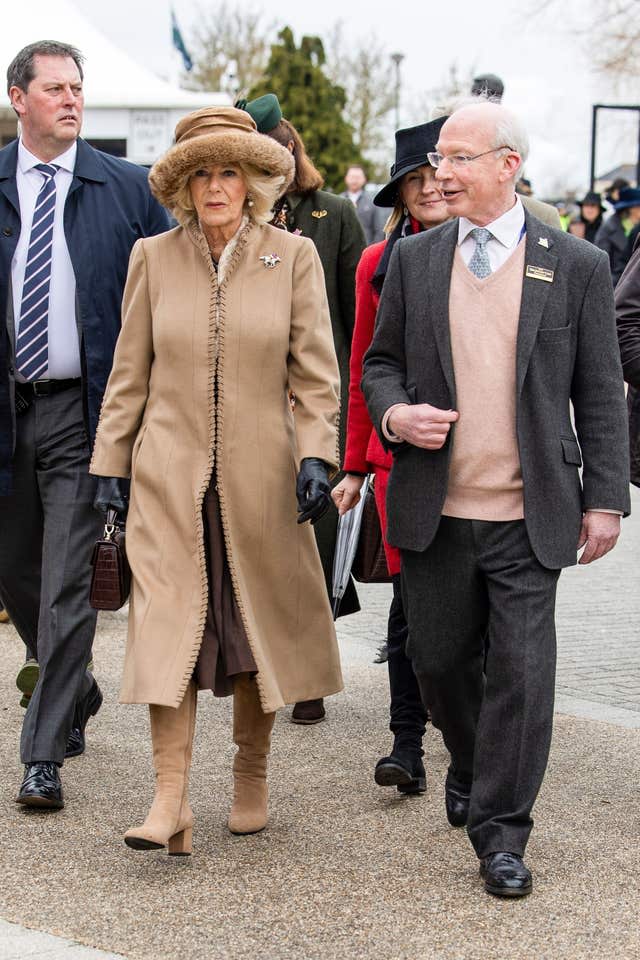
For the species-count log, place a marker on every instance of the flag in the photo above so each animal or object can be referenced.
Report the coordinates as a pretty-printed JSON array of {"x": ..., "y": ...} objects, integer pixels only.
[{"x": 178, "y": 42}]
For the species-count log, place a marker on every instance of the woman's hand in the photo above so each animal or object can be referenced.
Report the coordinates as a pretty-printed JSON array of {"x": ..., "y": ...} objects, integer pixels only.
[
  {"x": 347, "y": 493},
  {"x": 313, "y": 490},
  {"x": 112, "y": 492}
]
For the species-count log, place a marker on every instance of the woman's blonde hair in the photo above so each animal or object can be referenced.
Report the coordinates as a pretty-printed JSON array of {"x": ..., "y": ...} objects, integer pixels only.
[
  {"x": 394, "y": 218},
  {"x": 262, "y": 192}
]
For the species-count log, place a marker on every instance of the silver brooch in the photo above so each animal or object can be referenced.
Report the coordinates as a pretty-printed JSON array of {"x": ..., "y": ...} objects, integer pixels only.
[{"x": 270, "y": 259}]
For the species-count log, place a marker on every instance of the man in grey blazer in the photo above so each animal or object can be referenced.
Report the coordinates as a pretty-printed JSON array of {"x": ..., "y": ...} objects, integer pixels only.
[{"x": 489, "y": 328}]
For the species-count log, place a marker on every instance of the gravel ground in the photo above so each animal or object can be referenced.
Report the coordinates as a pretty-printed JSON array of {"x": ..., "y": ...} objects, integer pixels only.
[{"x": 346, "y": 869}]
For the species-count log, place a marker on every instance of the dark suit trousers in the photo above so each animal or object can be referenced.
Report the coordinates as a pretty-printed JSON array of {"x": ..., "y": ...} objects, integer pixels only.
[
  {"x": 47, "y": 531},
  {"x": 479, "y": 577}
]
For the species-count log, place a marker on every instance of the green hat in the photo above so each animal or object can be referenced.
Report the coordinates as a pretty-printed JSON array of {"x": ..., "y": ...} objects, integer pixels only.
[{"x": 265, "y": 111}]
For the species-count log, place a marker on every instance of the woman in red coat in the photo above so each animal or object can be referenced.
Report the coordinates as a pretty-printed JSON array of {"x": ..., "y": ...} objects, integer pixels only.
[{"x": 417, "y": 203}]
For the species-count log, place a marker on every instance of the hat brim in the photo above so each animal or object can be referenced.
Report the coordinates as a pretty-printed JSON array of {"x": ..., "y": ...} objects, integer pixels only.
[
  {"x": 625, "y": 204},
  {"x": 168, "y": 173},
  {"x": 388, "y": 195}
]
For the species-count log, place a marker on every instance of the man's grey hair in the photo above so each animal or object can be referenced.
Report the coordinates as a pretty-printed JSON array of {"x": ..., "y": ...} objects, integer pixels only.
[
  {"x": 21, "y": 70},
  {"x": 509, "y": 131}
]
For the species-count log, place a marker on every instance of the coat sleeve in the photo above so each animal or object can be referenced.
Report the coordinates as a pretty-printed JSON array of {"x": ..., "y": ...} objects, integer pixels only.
[
  {"x": 352, "y": 243},
  {"x": 597, "y": 393},
  {"x": 359, "y": 424},
  {"x": 314, "y": 378},
  {"x": 384, "y": 371},
  {"x": 627, "y": 298},
  {"x": 128, "y": 386}
]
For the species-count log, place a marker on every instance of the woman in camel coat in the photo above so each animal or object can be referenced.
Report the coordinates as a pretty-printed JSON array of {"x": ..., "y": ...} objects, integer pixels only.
[{"x": 222, "y": 318}]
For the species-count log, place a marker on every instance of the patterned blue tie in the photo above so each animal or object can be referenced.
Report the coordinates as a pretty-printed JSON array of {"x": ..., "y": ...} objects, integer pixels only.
[
  {"x": 32, "y": 347},
  {"x": 479, "y": 263}
]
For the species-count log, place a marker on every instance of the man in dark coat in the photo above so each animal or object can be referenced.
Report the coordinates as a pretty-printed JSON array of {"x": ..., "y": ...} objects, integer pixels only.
[
  {"x": 490, "y": 328},
  {"x": 355, "y": 181},
  {"x": 627, "y": 298},
  {"x": 613, "y": 236},
  {"x": 69, "y": 216}
]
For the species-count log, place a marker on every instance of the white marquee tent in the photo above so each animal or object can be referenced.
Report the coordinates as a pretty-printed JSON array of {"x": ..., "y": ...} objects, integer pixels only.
[{"x": 125, "y": 104}]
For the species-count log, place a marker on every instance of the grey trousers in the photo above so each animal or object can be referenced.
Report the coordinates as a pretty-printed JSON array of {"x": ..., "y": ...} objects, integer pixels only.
[
  {"x": 47, "y": 531},
  {"x": 481, "y": 579}
]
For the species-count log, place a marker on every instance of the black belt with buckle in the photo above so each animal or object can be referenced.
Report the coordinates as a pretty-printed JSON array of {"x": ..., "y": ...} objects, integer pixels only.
[{"x": 44, "y": 388}]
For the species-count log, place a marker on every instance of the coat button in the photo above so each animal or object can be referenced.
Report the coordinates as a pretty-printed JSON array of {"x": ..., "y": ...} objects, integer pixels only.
[{"x": 7, "y": 232}]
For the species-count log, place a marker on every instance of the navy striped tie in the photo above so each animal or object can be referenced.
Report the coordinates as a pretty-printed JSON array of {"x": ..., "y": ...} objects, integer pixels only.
[{"x": 32, "y": 347}]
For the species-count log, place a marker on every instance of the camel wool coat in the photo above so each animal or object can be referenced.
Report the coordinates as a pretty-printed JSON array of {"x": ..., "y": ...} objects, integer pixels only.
[{"x": 200, "y": 388}]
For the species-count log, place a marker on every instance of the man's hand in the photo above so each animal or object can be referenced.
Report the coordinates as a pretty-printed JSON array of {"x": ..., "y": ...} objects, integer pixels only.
[
  {"x": 600, "y": 532},
  {"x": 422, "y": 425},
  {"x": 347, "y": 493}
]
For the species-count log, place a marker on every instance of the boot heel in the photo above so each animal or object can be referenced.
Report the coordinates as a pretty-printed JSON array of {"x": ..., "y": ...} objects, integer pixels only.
[{"x": 180, "y": 844}]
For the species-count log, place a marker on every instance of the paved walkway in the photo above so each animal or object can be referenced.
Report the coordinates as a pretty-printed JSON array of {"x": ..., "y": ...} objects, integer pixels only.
[{"x": 345, "y": 870}]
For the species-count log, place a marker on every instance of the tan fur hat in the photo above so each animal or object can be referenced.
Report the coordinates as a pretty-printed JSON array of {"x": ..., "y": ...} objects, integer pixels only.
[{"x": 216, "y": 135}]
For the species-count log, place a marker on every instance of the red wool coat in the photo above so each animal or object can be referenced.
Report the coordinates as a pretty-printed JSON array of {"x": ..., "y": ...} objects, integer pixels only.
[{"x": 363, "y": 451}]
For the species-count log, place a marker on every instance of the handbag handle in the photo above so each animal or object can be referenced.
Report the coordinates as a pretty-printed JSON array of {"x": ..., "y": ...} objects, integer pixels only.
[{"x": 111, "y": 523}]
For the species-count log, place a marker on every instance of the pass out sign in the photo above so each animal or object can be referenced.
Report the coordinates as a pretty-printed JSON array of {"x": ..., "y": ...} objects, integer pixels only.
[{"x": 149, "y": 135}]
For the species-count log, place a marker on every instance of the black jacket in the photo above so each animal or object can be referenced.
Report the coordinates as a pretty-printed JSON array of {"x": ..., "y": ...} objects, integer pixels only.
[
  {"x": 108, "y": 208},
  {"x": 627, "y": 299}
]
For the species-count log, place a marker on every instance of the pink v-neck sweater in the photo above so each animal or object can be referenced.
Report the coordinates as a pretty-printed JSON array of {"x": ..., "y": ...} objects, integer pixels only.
[{"x": 485, "y": 480}]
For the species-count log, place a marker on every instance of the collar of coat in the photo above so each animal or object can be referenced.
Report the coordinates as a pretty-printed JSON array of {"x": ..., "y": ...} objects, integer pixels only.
[{"x": 88, "y": 163}]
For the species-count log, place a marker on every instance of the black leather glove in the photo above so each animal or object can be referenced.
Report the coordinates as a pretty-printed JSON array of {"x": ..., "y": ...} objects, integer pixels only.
[
  {"x": 112, "y": 492},
  {"x": 313, "y": 490}
]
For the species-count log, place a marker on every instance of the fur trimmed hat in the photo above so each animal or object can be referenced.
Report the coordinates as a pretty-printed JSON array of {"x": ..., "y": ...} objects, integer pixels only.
[{"x": 216, "y": 135}]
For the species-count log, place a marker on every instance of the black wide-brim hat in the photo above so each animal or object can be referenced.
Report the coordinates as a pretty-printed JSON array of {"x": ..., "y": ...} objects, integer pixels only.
[
  {"x": 591, "y": 198},
  {"x": 412, "y": 146}
]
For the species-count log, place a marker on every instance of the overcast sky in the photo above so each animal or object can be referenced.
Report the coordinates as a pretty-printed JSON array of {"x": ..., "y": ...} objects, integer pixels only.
[{"x": 542, "y": 58}]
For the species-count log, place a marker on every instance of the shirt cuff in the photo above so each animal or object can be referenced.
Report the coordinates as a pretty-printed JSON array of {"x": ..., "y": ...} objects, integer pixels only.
[
  {"x": 387, "y": 432},
  {"x": 618, "y": 513}
]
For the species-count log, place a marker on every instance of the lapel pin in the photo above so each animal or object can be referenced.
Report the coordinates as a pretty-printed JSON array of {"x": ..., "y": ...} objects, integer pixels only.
[
  {"x": 544, "y": 242},
  {"x": 270, "y": 260},
  {"x": 318, "y": 213}
]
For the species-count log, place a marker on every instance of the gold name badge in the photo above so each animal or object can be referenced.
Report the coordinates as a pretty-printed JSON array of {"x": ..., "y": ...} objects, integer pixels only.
[
  {"x": 539, "y": 273},
  {"x": 318, "y": 213}
]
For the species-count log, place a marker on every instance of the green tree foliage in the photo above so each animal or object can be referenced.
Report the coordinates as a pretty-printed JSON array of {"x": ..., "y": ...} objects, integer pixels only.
[{"x": 312, "y": 103}]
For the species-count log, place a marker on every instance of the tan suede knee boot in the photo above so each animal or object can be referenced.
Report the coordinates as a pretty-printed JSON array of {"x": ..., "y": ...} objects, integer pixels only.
[
  {"x": 170, "y": 820},
  {"x": 252, "y": 735}
]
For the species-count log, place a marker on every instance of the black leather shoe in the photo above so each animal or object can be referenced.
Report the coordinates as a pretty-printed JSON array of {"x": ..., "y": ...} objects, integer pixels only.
[
  {"x": 456, "y": 803},
  {"x": 405, "y": 773},
  {"x": 75, "y": 743},
  {"x": 84, "y": 710},
  {"x": 308, "y": 712},
  {"x": 505, "y": 875},
  {"x": 41, "y": 786}
]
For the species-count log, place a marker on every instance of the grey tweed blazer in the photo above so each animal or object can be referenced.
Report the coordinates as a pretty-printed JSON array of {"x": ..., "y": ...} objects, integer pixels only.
[{"x": 567, "y": 354}]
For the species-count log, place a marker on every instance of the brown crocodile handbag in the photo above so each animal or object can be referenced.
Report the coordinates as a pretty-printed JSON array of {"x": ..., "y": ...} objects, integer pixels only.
[
  {"x": 370, "y": 562},
  {"x": 111, "y": 576}
]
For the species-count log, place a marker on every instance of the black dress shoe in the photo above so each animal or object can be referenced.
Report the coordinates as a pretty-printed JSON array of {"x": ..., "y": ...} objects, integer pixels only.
[
  {"x": 308, "y": 712},
  {"x": 456, "y": 803},
  {"x": 505, "y": 875},
  {"x": 405, "y": 773},
  {"x": 41, "y": 786},
  {"x": 75, "y": 743},
  {"x": 84, "y": 710}
]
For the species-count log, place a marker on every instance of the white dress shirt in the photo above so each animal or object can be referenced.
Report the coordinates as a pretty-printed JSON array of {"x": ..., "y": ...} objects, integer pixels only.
[
  {"x": 64, "y": 348},
  {"x": 506, "y": 233}
]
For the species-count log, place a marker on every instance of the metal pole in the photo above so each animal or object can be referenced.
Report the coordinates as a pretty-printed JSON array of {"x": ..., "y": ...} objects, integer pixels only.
[
  {"x": 638, "y": 163},
  {"x": 594, "y": 121},
  {"x": 397, "y": 60}
]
